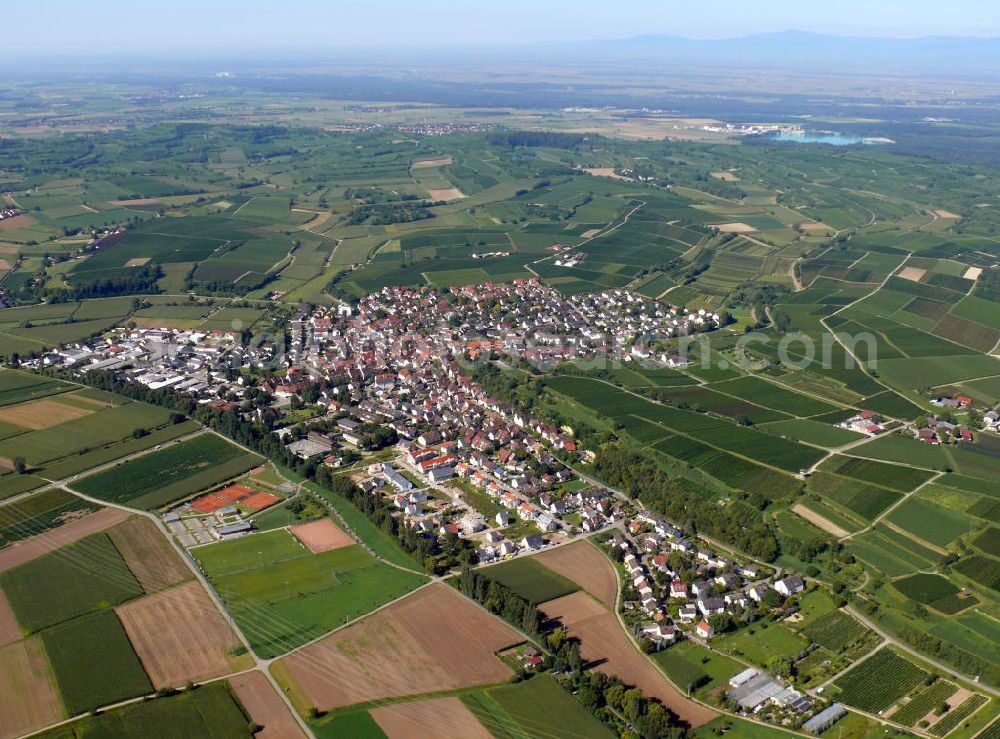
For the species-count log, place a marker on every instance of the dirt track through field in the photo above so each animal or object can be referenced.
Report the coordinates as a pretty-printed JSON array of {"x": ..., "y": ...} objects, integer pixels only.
[
  {"x": 321, "y": 536},
  {"x": 603, "y": 641},
  {"x": 265, "y": 707},
  {"x": 28, "y": 698},
  {"x": 433, "y": 640},
  {"x": 41, "y": 414},
  {"x": 438, "y": 718},
  {"x": 179, "y": 635},
  {"x": 153, "y": 561},
  {"x": 28, "y": 549},
  {"x": 587, "y": 567}
]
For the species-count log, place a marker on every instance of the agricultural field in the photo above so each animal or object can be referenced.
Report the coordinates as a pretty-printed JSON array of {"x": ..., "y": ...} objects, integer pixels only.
[
  {"x": 283, "y": 595},
  {"x": 211, "y": 710},
  {"x": 603, "y": 639},
  {"x": 879, "y": 681},
  {"x": 436, "y": 717},
  {"x": 433, "y": 640},
  {"x": 51, "y": 509},
  {"x": 86, "y": 576},
  {"x": 93, "y": 662},
  {"x": 536, "y": 707},
  {"x": 585, "y": 565},
  {"x": 531, "y": 580},
  {"x": 232, "y": 212},
  {"x": 165, "y": 476},
  {"x": 835, "y": 631}
]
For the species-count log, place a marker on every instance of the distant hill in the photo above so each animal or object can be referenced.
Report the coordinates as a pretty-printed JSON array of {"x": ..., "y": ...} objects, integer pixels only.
[{"x": 800, "y": 49}]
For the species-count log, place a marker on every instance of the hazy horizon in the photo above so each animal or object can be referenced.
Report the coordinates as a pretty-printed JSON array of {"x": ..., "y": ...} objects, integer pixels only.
[{"x": 252, "y": 27}]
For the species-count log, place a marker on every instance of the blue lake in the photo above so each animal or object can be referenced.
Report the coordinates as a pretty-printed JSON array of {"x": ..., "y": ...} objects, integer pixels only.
[{"x": 834, "y": 139}]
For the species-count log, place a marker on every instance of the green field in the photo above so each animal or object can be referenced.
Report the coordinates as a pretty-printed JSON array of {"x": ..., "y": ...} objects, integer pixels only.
[
  {"x": 93, "y": 662},
  {"x": 692, "y": 667},
  {"x": 531, "y": 580},
  {"x": 210, "y": 710},
  {"x": 536, "y": 707},
  {"x": 85, "y": 576},
  {"x": 932, "y": 590},
  {"x": 160, "y": 478},
  {"x": 762, "y": 642},
  {"x": 282, "y": 595},
  {"x": 930, "y": 522}
]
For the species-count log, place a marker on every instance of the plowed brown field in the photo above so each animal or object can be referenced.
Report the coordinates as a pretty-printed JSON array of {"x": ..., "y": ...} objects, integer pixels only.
[
  {"x": 603, "y": 640},
  {"x": 265, "y": 707},
  {"x": 179, "y": 635},
  {"x": 582, "y": 563},
  {"x": 438, "y": 718},
  {"x": 28, "y": 698},
  {"x": 434, "y": 639}
]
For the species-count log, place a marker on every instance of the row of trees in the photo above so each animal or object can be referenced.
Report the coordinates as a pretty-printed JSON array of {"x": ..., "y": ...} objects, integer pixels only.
[
  {"x": 640, "y": 477},
  {"x": 501, "y": 600}
]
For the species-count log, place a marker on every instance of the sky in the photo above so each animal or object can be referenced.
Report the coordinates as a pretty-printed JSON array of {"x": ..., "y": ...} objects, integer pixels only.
[{"x": 60, "y": 27}]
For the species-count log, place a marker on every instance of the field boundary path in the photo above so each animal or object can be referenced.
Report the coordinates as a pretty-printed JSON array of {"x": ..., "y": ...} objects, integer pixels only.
[
  {"x": 200, "y": 577},
  {"x": 905, "y": 497},
  {"x": 914, "y": 653}
]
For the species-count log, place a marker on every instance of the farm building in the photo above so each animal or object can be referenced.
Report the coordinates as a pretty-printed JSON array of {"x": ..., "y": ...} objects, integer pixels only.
[{"x": 824, "y": 719}]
